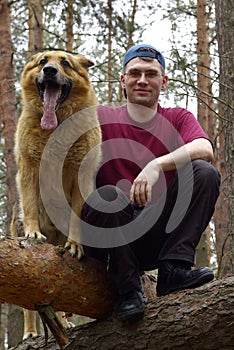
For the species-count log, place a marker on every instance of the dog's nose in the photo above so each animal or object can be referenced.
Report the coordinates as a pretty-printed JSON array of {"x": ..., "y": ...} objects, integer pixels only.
[{"x": 50, "y": 70}]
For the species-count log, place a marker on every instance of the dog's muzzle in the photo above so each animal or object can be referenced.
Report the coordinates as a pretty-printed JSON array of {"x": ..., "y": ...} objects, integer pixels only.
[{"x": 51, "y": 79}]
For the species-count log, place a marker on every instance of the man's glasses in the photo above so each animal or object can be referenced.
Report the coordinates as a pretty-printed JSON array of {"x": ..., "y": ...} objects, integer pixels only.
[{"x": 137, "y": 74}]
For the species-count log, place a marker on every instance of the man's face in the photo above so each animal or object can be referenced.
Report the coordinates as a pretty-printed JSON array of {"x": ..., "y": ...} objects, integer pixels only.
[{"x": 143, "y": 81}]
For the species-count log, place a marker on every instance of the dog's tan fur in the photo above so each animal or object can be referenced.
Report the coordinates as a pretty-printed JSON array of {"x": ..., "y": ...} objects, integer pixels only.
[{"x": 32, "y": 135}]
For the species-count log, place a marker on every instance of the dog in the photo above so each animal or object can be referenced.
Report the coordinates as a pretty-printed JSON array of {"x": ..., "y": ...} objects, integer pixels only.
[{"x": 56, "y": 91}]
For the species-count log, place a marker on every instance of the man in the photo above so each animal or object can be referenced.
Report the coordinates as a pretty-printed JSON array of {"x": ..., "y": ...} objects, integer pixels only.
[{"x": 156, "y": 189}]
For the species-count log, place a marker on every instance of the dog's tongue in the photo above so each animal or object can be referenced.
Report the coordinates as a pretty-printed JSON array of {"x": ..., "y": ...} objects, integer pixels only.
[{"x": 49, "y": 120}]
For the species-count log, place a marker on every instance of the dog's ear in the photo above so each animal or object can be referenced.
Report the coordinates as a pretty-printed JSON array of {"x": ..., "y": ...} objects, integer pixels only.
[
  {"x": 85, "y": 62},
  {"x": 34, "y": 56}
]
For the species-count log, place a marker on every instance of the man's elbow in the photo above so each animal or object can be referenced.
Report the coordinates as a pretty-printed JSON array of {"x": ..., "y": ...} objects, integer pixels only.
[
  {"x": 207, "y": 151},
  {"x": 209, "y": 156},
  {"x": 202, "y": 149}
]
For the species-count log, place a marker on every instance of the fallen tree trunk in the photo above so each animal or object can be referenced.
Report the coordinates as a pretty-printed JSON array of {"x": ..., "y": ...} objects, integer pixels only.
[
  {"x": 198, "y": 319},
  {"x": 33, "y": 274}
]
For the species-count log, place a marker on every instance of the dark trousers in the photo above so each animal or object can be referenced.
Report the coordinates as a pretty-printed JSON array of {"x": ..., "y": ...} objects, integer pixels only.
[{"x": 129, "y": 239}]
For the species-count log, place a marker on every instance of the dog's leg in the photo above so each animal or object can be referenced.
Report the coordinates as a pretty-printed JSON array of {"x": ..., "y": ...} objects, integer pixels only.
[
  {"x": 28, "y": 185},
  {"x": 64, "y": 319},
  {"x": 78, "y": 197},
  {"x": 74, "y": 236},
  {"x": 30, "y": 327}
]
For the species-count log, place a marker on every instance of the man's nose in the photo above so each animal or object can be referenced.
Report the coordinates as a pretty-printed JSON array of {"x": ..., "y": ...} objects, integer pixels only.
[{"x": 143, "y": 77}]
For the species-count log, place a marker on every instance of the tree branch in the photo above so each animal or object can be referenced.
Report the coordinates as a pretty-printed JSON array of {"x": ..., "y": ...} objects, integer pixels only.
[{"x": 33, "y": 274}]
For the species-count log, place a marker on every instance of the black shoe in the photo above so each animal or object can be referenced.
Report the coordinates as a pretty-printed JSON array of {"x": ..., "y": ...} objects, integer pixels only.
[
  {"x": 172, "y": 278},
  {"x": 131, "y": 306}
]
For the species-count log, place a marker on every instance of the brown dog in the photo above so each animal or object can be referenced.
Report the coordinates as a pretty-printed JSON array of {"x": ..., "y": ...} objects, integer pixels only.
[{"x": 55, "y": 86}]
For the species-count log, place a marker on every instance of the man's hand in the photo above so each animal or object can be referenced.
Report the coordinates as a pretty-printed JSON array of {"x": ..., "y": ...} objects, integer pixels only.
[{"x": 141, "y": 190}]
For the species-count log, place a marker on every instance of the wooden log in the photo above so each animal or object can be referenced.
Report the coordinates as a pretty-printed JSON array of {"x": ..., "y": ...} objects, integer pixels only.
[
  {"x": 34, "y": 274},
  {"x": 50, "y": 320},
  {"x": 197, "y": 319}
]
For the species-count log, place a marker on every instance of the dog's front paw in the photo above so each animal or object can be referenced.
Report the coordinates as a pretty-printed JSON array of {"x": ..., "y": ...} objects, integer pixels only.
[
  {"x": 28, "y": 335},
  {"x": 37, "y": 236},
  {"x": 69, "y": 325},
  {"x": 75, "y": 249},
  {"x": 32, "y": 238}
]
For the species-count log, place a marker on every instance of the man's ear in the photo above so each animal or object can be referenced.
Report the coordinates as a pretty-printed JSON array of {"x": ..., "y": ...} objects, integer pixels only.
[
  {"x": 122, "y": 80},
  {"x": 165, "y": 81}
]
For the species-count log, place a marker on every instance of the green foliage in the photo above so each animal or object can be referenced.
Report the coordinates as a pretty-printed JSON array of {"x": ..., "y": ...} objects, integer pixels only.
[
  {"x": 92, "y": 21},
  {"x": 95, "y": 21},
  {"x": 91, "y": 28},
  {"x": 91, "y": 25}
]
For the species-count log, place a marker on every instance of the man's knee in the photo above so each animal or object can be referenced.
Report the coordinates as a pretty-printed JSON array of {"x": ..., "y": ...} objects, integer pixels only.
[
  {"x": 107, "y": 199},
  {"x": 109, "y": 192},
  {"x": 206, "y": 172}
]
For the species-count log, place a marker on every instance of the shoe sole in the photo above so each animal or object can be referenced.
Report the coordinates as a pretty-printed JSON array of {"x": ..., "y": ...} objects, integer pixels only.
[
  {"x": 205, "y": 278},
  {"x": 132, "y": 315}
]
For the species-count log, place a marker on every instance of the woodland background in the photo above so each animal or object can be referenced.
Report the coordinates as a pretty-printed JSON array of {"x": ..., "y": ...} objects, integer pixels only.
[{"x": 200, "y": 65}]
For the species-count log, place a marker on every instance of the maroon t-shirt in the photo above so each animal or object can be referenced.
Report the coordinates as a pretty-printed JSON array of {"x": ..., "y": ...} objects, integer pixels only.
[{"x": 128, "y": 145}]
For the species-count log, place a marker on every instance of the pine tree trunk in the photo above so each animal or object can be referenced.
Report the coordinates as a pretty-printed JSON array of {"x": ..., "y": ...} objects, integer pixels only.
[
  {"x": 205, "y": 105},
  {"x": 35, "y": 25},
  {"x": 8, "y": 120},
  {"x": 200, "y": 319},
  {"x": 8, "y": 114},
  {"x": 224, "y": 29},
  {"x": 69, "y": 25},
  {"x": 41, "y": 274}
]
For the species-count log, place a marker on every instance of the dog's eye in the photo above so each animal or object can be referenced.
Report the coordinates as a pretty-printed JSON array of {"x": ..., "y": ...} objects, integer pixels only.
[
  {"x": 65, "y": 64},
  {"x": 43, "y": 61}
]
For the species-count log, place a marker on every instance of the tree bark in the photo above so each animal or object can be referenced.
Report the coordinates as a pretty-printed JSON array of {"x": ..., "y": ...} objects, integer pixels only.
[
  {"x": 41, "y": 274},
  {"x": 196, "y": 319},
  {"x": 35, "y": 27},
  {"x": 109, "y": 44},
  {"x": 8, "y": 121},
  {"x": 224, "y": 29},
  {"x": 69, "y": 25},
  {"x": 205, "y": 106},
  {"x": 8, "y": 112},
  {"x": 33, "y": 275}
]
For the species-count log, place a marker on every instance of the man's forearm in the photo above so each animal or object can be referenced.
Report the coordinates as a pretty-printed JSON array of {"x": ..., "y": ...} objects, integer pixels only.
[
  {"x": 197, "y": 149},
  {"x": 141, "y": 190}
]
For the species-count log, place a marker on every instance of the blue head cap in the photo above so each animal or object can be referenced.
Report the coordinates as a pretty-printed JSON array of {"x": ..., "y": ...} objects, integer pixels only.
[{"x": 143, "y": 50}]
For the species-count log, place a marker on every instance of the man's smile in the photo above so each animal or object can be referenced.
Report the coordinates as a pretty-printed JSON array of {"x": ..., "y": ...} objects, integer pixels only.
[{"x": 142, "y": 91}]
